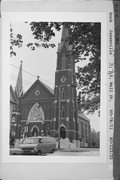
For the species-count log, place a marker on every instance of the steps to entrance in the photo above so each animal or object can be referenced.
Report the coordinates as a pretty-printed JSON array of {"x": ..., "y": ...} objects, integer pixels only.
[{"x": 65, "y": 144}]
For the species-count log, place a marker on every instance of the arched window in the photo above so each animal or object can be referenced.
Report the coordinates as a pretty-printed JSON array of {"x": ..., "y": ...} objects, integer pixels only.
[
  {"x": 82, "y": 129},
  {"x": 62, "y": 112},
  {"x": 63, "y": 132},
  {"x": 13, "y": 133},
  {"x": 36, "y": 114}
]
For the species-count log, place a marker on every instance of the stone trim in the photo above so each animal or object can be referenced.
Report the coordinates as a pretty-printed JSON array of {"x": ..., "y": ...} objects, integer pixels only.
[
  {"x": 38, "y": 100},
  {"x": 62, "y": 70},
  {"x": 67, "y": 118},
  {"x": 48, "y": 120},
  {"x": 54, "y": 119},
  {"x": 23, "y": 120},
  {"x": 34, "y": 127},
  {"x": 16, "y": 113}
]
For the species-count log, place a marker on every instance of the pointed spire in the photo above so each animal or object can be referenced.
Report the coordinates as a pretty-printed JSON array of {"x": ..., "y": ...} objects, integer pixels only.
[
  {"x": 64, "y": 33},
  {"x": 19, "y": 86},
  {"x": 64, "y": 40}
]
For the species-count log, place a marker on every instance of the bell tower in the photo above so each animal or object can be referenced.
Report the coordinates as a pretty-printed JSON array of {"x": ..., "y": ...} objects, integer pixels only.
[{"x": 65, "y": 109}]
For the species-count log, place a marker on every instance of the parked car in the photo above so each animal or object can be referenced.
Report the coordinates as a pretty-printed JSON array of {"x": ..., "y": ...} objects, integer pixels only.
[
  {"x": 38, "y": 145},
  {"x": 15, "y": 147},
  {"x": 15, "y": 151}
]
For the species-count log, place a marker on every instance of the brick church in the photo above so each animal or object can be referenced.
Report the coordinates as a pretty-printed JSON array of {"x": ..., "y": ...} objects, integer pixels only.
[{"x": 42, "y": 111}]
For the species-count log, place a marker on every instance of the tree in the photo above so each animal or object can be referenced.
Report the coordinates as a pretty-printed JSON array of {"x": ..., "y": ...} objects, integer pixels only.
[
  {"x": 15, "y": 40},
  {"x": 85, "y": 38},
  {"x": 43, "y": 33}
]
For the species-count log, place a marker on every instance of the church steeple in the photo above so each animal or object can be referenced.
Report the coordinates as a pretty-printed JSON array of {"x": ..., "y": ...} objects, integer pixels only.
[
  {"x": 65, "y": 118},
  {"x": 64, "y": 33},
  {"x": 64, "y": 40},
  {"x": 19, "y": 83}
]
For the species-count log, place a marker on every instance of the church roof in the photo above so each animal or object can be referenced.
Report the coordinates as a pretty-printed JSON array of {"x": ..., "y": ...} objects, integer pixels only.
[
  {"x": 37, "y": 84},
  {"x": 13, "y": 98},
  {"x": 82, "y": 116},
  {"x": 49, "y": 88}
]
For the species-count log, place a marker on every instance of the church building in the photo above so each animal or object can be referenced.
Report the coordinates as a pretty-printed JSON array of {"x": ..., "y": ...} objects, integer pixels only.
[{"x": 42, "y": 111}]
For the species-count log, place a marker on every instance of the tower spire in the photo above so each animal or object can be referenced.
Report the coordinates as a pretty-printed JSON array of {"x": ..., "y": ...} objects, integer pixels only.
[
  {"x": 64, "y": 40},
  {"x": 64, "y": 33},
  {"x": 65, "y": 114},
  {"x": 19, "y": 86}
]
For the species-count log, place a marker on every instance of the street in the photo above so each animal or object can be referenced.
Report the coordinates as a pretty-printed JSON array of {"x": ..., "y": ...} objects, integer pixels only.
[{"x": 76, "y": 152}]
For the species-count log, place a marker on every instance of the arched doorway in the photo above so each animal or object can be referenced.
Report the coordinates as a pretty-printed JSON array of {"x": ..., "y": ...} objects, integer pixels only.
[
  {"x": 35, "y": 131},
  {"x": 62, "y": 132}
]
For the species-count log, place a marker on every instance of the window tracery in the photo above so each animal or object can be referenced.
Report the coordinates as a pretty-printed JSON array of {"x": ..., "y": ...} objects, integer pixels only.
[{"x": 36, "y": 114}]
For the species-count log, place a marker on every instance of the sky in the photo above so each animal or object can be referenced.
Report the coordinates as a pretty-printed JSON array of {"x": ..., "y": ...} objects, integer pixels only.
[{"x": 40, "y": 62}]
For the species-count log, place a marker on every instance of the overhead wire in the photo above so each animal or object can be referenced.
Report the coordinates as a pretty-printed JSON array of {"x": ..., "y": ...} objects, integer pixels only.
[
  {"x": 26, "y": 82},
  {"x": 32, "y": 74}
]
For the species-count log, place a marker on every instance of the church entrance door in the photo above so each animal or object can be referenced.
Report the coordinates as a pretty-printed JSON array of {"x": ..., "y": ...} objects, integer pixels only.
[
  {"x": 35, "y": 132},
  {"x": 62, "y": 132}
]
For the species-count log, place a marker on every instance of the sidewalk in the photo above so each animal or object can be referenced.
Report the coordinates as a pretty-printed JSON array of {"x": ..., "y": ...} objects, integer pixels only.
[{"x": 78, "y": 149}]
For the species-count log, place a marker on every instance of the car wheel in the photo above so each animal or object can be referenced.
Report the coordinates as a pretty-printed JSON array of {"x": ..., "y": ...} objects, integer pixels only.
[
  {"x": 52, "y": 151},
  {"x": 39, "y": 153}
]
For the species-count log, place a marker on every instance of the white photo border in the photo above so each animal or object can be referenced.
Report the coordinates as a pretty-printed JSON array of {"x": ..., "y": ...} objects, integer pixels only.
[{"x": 8, "y": 17}]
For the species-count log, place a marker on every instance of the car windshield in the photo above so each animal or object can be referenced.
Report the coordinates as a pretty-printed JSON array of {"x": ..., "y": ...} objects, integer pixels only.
[{"x": 30, "y": 141}]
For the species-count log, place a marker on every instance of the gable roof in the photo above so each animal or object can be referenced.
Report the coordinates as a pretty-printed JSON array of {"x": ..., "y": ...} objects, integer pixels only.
[
  {"x": 81, "y": 115},
  {"x": 48, "y": 89}
]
